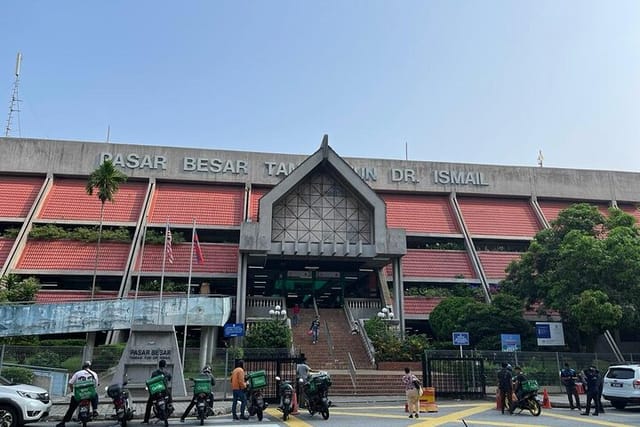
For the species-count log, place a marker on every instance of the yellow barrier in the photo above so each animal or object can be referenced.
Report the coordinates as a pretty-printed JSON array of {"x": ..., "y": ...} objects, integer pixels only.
[{"x": 428, "y": 400}]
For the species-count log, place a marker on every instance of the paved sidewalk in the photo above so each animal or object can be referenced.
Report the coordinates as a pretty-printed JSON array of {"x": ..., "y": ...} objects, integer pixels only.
[{"x": 223, "y": 407}]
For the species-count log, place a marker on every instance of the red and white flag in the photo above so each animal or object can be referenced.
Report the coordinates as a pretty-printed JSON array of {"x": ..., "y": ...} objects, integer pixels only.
[
  {"x": 197, "y": 249},
  {"x": 168, "y": 240}
]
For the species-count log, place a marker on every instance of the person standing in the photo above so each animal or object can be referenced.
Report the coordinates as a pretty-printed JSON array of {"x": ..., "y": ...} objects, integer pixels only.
[
  {"x": 205, "y": 373},
  {"x": 504, "y": 386},
  {"x": 591, "y": 383},
  {"x": 296, "y": 315},
  {"x": 413, "y": 404},
  {"x": 517, "y": 387},
  {"x": 569, "y": 376},
  {"x": 239, "y": 386},
  {"x": 164, "y": 371},
  {"x": 84, "y": 374},
  {"x": 315, "y": 329},
  {"x": 599, "y": 407}
]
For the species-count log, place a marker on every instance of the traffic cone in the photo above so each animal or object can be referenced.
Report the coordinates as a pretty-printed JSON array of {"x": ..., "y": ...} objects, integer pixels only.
[
  {"x": 294, "y": 404},
  {"x": 546, "y": 403},
  {"x": 406, "y": 407}
]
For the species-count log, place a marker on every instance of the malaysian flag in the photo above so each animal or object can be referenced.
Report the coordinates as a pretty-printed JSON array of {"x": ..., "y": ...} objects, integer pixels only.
[
  {"x": 167, "y": 243},
  {"x": 198, "y": 249}
]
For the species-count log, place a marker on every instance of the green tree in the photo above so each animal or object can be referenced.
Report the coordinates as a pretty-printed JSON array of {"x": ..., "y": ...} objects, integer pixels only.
[
  {"x": 484, "y": 322},
  {"x": 15, "y": 289},
  {"x": 268, "y": 334},
  {"x": 106, "y": 181},
  {"x": 594, "y": 314},
  {"x": 582, "y": 251}
]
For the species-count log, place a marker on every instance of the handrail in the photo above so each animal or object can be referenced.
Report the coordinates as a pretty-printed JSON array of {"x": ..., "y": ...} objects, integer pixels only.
[
  {"x": 365, "y": 340},
  {"x": 352, "y": 371},
  {"x": 330, "y": 341}
]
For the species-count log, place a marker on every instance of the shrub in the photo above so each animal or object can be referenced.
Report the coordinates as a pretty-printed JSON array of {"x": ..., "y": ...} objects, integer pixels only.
[
  {"x": 45, "y": 358},
  {"x": 18, "y": 375}
]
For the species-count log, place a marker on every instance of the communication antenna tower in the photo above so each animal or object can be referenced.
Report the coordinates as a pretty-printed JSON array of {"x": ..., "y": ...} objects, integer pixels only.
[
  {"x": 14, "y": 104},
  {"x": 540, "y": 158}
]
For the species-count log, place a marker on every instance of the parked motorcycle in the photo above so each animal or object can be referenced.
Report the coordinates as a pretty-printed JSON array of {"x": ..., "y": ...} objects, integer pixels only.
[
  {"x": 121, "y": 402},
  {"x": 286, "y": 397},
  {"x": 316, "y": 393},
  {"x": 256, "y": 405},
  {"x": 529, "y": 400},
  {"x": 157, "y": 388},
  {"x": 202, "y": 397},
  {"x": 84, "y": 392}
]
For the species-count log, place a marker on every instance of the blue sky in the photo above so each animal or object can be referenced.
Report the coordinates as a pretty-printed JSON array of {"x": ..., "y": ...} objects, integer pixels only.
[{"x": 468, "y": 81}]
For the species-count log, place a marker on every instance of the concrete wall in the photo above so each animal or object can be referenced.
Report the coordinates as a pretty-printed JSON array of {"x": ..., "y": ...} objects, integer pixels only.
[{"x": 236, "y": 167}]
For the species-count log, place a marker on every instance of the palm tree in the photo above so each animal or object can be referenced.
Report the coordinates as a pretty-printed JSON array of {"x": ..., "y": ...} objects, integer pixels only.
[{"x": 106, "y": 180}]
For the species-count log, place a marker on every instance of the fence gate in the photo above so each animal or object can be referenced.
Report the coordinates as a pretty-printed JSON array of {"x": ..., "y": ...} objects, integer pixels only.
[
  {"x": 284, "y": 367},
  {"x": 462, "y": 378}
]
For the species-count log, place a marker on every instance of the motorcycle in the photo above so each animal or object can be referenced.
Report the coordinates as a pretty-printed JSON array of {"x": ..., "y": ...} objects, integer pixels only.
[
  {"x": 316, "y": 393},
  {"x": 529, "y": 400},
  {"x": 84, "y": 392},
  {"x": 286, "y": 398},
  {"x": 160, "y": 399},
  {"x": 256, "y": 405},
  {"x": 202, "y": 394},
  {"x": 121, "y": 402}
]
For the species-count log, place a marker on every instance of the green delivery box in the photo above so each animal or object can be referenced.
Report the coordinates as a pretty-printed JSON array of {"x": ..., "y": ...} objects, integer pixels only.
[
  {"x": 84, "y": 390},
  {"x": 156, "y": 384},
  {"x": 257, "y": 379},
  {"x": 201, "y": 385}
]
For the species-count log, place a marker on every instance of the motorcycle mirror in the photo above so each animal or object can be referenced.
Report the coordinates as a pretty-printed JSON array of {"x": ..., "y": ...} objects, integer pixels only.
[{"x": 277, "y": 378}]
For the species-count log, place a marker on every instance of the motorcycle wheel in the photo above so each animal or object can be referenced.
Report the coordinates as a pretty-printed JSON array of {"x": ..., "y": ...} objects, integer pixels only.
[
  {"x": 166, "y": 422},
  {"x": 325, "y": 414},
  {"x": 285, "y": 414},
  {"x": 123, "y": 422},
  {"x": 84, "y": 424},
  {"x": 534, "y": 407},
  {"x": 259, "y": 414}
]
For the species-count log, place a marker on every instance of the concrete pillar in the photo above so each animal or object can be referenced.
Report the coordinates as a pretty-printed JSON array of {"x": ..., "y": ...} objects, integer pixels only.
[
  {"x": 398, "y": 294},
  {"x": 204, "y": 346}
]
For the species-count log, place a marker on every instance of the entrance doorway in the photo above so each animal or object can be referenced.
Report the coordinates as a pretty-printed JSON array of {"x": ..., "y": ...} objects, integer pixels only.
[{"x": 302, "y": 281}]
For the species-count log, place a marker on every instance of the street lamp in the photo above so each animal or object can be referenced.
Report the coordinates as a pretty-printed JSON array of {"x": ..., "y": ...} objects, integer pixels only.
[
  {"x": 386, "y": 313},
  {"x": 278, "y": 313}
]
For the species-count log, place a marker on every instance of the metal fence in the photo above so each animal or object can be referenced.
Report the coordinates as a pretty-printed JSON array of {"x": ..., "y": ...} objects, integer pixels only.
[
  {"x": 456, "y": 377},
  {"x": 542, "y": 366}
]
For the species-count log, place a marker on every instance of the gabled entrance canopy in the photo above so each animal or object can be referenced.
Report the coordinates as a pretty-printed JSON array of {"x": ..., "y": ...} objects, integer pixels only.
[{"x": 323, "y": 210}]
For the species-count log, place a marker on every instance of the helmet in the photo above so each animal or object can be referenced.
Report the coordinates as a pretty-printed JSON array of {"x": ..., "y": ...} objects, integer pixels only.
[
  {"x": 162, "y": 363},
  {"x": 86, "y": 364},
  {"x": 206, "y": 369}
]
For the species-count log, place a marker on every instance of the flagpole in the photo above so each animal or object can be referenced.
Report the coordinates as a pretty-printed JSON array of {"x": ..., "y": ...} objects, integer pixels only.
[
  {"x": 186, "y": 316},
  {"x": 164, "y": 261},
  {"x": 135, "y": 298}
]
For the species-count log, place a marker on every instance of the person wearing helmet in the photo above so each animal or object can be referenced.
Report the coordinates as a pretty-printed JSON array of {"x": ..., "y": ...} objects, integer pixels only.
[
  {"x": 164, "y": 371},
  {"x": 84, "y": 374},
  {"x": 206, "y": 372}
]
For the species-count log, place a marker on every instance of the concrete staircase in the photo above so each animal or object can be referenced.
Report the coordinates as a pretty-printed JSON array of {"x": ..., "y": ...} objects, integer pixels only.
[{"x": 330, "y": 354}]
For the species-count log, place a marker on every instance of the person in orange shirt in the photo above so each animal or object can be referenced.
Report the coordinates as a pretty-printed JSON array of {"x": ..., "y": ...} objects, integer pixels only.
[{"x": 238, "y": 385}]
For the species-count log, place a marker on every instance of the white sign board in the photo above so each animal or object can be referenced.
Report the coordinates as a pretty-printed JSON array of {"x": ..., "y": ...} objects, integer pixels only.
[{"x": 550, "y": 333}]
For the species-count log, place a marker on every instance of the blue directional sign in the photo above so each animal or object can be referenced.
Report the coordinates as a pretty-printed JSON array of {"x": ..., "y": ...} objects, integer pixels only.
[
  {"x": 460, "y": 338},
  {"x": 233, "y": 330},
  {"x": 510, "y": 342}
]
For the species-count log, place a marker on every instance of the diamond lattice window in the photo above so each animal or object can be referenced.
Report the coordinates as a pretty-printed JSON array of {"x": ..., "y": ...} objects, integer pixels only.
[{"x": 320, "y": 209}]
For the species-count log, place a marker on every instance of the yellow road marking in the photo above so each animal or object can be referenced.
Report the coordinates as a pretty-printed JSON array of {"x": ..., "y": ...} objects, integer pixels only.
[
  {"x": 500, "y": 424},
  {"x": 586, "y": 420},
  {"x": 293, "y": 421},
  {"x": 454, "y": 416}
]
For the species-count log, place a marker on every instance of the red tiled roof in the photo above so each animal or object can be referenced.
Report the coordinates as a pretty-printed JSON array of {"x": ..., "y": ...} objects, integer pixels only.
[
  {"x": 551, "y": 208},
  {"x": 498, "y": 217},
  {"x": 208, "y": 204},
  {"x": 420, "y": 305},
  {"x": 68, "y": 200},
  {"x": 73, "y": 255},
  {"x": 17, "y": 195},
  {"x": 5, "y": 248},
  {"x": 437, "y": 264},
  {"x": 423, "y": 214},
  {"x": 494, "y": 263},
  {"x": 218, "y": 258},
  {"x": 254, "y": 202}
]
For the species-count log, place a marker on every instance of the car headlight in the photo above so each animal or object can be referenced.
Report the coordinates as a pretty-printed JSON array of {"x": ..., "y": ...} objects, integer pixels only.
[{"x": 29, "y": 394}]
